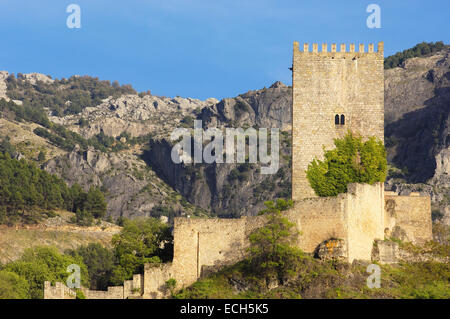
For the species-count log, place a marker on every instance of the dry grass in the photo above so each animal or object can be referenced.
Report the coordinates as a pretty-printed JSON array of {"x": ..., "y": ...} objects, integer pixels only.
[
  {"x": 28, "y": 143},
  {"x": 57, "y": 232}
]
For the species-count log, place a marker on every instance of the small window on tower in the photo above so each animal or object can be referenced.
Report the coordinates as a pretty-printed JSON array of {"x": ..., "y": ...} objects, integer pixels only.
[
  {"x": 336, "y": 119},
  {"x": 342, "y": 119}
]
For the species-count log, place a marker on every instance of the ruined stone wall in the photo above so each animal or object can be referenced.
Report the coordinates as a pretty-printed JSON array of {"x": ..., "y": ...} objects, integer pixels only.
[
  {"x": 332, "y": 83},
  {"x": 155, "y": 277},
  {"x": 58, "y": 291},
  {"x": 130, "y": 289},
  {"x": 355, "y": 219},
  {"x": 112, "y": 293},
  {"x": 200, "y": 243},
  {"x": 408, "y": 218},
  {"x": 133, "y": 288},
  {"x": 318, "y": 219},
  {"x": 364, "y": 214}
]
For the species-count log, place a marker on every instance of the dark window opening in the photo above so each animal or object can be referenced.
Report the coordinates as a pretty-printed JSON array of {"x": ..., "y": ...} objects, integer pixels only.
[
  {"x": 342, "y": 119},
  {"x": 336, "y": 119}
]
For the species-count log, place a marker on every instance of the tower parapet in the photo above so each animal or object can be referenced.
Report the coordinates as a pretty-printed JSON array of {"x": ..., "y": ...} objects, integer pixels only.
[{"x": 342, "y": 48}]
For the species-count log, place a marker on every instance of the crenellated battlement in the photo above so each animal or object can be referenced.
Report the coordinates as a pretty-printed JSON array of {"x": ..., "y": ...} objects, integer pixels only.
[{"x": 314, "y": 48}]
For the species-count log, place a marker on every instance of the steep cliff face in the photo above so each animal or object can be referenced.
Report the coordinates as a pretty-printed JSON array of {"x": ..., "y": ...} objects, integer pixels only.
[
  {"x": 261, "y": 108},
  {"x": 417, "y": 103},
  {"x": 227, "y": 190}
]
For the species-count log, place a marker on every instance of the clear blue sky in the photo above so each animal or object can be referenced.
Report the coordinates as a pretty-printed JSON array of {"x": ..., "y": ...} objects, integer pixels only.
[{"x": 199, "y": 48}]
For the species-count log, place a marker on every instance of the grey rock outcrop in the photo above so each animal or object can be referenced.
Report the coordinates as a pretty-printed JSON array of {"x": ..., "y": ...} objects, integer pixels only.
[
  {"x": 3, "y": 88},
  {"x": 262, "y": 108},
  {"x": 135, "y": 115},
  {"x": 33, "y": 78}
]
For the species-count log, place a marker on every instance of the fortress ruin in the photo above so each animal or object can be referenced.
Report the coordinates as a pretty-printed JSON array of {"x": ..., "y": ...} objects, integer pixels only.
[{"x": 333, "y": 92}]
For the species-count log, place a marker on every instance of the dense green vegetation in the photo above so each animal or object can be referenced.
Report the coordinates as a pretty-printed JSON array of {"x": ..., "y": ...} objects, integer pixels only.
[
  {"x": 37, "y": 265},
  {"x": 100, "y": 262},
  {"x": 65, "y": 96},
  {"x": 352, "y": 161},
  {"x": 138, "y": 243},
  {"x": 13, "y": 286},
  {"x": 28, "y": 193},
  {"x": 418, "y": 50}
]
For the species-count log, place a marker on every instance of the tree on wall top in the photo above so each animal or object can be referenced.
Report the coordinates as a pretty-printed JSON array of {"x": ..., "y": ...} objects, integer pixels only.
[{"x": 352, "y": 161}]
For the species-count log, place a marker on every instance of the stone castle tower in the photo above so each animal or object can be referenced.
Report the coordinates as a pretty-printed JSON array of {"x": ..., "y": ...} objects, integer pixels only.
[{"x": 333, "y": 92}]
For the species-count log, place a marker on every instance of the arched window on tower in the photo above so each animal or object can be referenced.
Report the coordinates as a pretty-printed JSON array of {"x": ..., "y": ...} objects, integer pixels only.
[
  {"x": 336, "y": 119},
  {"x": 342, "y": 119}
]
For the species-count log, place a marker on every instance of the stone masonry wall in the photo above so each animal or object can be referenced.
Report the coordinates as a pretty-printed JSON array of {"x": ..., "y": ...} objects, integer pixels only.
[
  {"x": 318, "y": 219},
  {"x": 58, "y": 291},
  {"x": 332, "y": 83},
  {"x": 209, "y": 242},
  {"x": 130, "y": 289},
  {"x": 408, "y": 217},
  {"x": 364, "y": 214}
]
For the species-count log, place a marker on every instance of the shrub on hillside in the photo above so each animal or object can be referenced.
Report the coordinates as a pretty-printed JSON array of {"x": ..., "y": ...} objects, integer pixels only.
[{"x": 418, "y": 50}]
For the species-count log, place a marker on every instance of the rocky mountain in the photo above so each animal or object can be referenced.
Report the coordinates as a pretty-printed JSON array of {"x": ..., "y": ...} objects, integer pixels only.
[
  {"x": 140, "y": 179},
  {"x": 417, "y": 104},
  {"x": 134, "y": 114},
  {"x": 261, "y": 108}
]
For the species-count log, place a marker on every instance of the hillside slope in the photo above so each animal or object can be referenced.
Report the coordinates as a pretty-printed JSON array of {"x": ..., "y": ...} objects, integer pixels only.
[{"x": 56, "y": 232}]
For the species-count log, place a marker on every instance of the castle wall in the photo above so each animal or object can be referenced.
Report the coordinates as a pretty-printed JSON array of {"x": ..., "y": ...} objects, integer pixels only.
[
  {"x": 130, "y": 289},
  {"x": 408, "y": 217},
  {"x": 357, "y": 218},
  {"x": 58, "y": 291},
  {"x": 318, "y": 219},
  {"x": 112, "y": 293},
  {"x": 364, "y": 214},
  {"x": 209, "y": 243},
  {"x": 326, "y": 84},
  {"x": 155, "y": 277}
]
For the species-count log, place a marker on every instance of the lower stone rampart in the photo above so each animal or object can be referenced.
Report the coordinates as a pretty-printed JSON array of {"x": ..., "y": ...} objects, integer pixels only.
[{"x": 350, "y": 222}]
